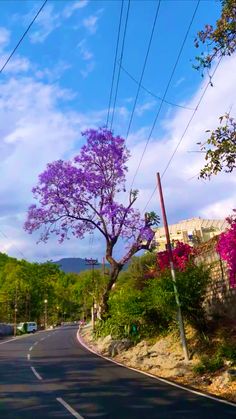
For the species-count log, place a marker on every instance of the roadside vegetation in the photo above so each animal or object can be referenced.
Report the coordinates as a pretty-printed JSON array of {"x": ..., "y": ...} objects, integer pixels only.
[{"x": 24, "y": 288}]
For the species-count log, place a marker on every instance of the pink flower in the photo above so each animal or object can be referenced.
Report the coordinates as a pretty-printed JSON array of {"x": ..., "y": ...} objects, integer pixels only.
[
  {"x": 181, "y": 255},
  {"x": 226, "y": 247}
]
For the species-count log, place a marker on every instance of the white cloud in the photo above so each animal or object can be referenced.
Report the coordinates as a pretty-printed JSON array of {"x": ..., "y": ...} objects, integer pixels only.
[
  {"x": 84, "y": 51},
  {"x": 15, "y": 65},
  {"x": 47, "y": 21},
  {"x": 179, "y": 81},
  {"x": 71, "y": 8},
  {"x": 184, "y": 197},
  {"x": 140, "y": 109},
  {"x": 50, "y": 19},
  {"x": 90, "y": 23},
  {"x": 53, "y": 74},
  {"x": 33, "y": 132},
  {"x": 36, "y": 130},
  {"x": 88, "y": 69},
  {"x": 220, "y": 209},
  {"x": 4, "y": 37}
]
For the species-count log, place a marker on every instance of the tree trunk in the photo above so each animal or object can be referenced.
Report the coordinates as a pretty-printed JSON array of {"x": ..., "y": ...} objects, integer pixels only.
[{"x": 114, "y": 272}]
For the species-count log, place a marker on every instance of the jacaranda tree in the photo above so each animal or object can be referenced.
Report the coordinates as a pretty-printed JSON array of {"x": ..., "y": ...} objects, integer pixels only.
[{"x": 79, "y": 196}]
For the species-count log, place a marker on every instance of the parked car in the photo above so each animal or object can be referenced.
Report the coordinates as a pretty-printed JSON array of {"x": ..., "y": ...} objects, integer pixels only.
[{"x": 27, "y": 327}]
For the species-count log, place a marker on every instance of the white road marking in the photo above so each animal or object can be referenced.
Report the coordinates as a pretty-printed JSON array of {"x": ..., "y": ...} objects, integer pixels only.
[
  {"x": 12, "y": 339},
  {"x": 35, "y": 343},
  {"x": 6, "y": 341},
  {"x": 30, "y": 349},
  {"x": 36, "y": 373},
  {"x": 28, "y": 357},
  {"x": 153, "y": 376},
  {"x": 42, "y": 338},
  {"x": 69, "y": 408}
]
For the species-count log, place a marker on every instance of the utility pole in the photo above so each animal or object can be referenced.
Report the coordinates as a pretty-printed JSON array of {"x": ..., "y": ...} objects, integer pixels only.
[
  {"x": 45, "y": 314},
  {"x": 92, "y": 262},
  {"x": 169, "y": 249},
  {"x": 15, "y": 308}
]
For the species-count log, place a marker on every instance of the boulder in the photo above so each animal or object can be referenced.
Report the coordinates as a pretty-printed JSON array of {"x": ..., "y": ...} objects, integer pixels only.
[{"x": 118, "y": 346}]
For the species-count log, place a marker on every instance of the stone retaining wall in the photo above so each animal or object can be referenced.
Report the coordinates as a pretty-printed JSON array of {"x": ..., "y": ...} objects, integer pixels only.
[{"x": 220, "y": 297}]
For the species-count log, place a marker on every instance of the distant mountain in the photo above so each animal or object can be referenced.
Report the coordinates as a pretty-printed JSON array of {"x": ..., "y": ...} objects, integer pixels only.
[{"x": 75, "y": 265}]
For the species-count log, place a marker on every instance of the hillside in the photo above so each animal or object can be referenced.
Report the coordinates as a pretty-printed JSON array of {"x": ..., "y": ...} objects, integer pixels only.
[{"x": 75, "y": 265}]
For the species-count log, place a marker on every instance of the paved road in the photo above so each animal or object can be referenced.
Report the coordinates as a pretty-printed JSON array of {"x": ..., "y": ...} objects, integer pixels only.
[{"x": 49, "y": 375}]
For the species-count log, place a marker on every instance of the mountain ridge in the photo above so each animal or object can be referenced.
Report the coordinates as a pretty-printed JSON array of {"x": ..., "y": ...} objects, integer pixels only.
[{"x": 76, "y": 265}]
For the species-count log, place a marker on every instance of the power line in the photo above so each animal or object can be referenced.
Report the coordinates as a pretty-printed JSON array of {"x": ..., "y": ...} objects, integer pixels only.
[
  {"x": 166, "y": 90},
  {"x": 189, "y": 122},
  {"x": 144, "y": 67},
  {"x": 13, "y": 245},
  {"x": 185, "y": 130},
  {"x": 153, "y": 94},
  {"x": 1, "y": 70},
  {"x": 114, "y": 65},
  {"x": 121, "y": 57},
  {"x": 23, "y": 36}
]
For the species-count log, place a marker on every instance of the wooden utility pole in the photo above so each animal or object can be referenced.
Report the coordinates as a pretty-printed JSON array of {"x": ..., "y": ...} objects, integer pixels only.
[
  {"x": 169, "y": 249},
  {"x": 92, "y": 262}
]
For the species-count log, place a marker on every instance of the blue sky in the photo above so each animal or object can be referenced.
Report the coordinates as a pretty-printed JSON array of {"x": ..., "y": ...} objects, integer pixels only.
[{"x": 58, "y": 83}]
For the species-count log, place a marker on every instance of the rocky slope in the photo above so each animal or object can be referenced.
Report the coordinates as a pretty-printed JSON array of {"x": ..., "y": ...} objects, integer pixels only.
[{"x": 163, "y": 358}]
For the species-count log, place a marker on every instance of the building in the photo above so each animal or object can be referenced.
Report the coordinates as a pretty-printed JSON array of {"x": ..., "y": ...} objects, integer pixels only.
[{"x": 193, "y": 231}]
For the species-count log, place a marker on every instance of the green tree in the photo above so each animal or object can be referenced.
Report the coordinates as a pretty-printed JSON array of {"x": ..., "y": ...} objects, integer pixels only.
[
  {"x": 90, "y": 288},
  {"x": 221, "y": 39},
  {"x": 220, "y": 148}
]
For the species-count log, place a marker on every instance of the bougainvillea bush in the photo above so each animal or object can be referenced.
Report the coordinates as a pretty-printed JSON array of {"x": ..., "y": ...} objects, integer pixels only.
[
  {"x": 226, "y": 248},
  {"x": 181, "y": 256}
]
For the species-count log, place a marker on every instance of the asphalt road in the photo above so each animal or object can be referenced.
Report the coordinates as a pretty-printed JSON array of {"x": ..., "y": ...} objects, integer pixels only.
[{"x": 50, "y": 375}]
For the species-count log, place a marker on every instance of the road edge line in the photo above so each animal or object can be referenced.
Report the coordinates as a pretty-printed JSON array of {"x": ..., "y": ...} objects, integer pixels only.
[
  {"x": 198, "y": 393},
  {"x": 21, "y": 337}
]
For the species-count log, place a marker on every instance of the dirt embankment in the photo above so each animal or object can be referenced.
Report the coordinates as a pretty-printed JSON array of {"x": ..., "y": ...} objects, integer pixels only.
[{"x": 163, "y": 358}]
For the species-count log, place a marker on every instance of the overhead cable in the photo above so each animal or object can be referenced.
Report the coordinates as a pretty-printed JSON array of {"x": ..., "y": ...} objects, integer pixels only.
[
  {"x": 115, "y": 60},
  {"x": 121, "y": 58},
  {"x": 185, "y": 130},
  {"x": 1, "y": 70},
  {"x": 13, "y": 245},
  {"x": 166, "y": 90},
  {"x": 154, "y": 94},
  {"x": 144, "y": 67},
  {"x": 22, "y": 37},
  {"x": 189, "y": 122}
]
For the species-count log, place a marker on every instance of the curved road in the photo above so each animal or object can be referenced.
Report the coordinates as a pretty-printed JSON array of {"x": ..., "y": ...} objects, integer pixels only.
[{"x": 50, "y": 375}]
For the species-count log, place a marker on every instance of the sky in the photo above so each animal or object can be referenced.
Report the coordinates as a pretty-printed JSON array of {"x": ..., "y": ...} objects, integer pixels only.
[{"x": 58, "y": 83}]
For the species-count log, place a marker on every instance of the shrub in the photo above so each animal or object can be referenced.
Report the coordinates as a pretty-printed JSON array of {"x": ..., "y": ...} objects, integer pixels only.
[
  {"x": 191, "y": 285},
  {"x": 226, "y": 248},
  {"x": 208, "y": 364},
  {"x": 181, "y": 257},
  {"x": 109, "y": 327},
  {"x": 228, "y": 352}
]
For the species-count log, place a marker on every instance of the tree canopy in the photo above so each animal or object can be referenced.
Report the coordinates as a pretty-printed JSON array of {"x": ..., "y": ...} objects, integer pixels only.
[
  {"x": 220, "y": 148},
  {"x": 78, "y": 196},
  {"x": 220, "y": 40}
]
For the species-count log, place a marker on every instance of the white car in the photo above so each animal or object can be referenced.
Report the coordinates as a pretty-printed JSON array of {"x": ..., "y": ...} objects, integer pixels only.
[{"x": 27, "y": 327}]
